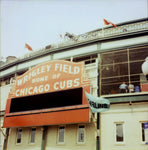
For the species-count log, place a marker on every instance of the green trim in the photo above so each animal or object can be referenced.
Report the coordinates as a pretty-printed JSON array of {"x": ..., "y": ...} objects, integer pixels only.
[
  {"x": 13, "y": 73},
  {"x": 74, "y": 45},
  {"x": 45, "y": 128},
  {"x": 97, "y": 143},
  {"x": 122, "y": 47},
  {"x": 127, "y": 98}
]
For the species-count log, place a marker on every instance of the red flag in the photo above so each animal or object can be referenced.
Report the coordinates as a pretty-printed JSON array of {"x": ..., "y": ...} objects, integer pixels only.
[
  {"x": 108, "y": 23},
  {"x": 28, "y": 47}
]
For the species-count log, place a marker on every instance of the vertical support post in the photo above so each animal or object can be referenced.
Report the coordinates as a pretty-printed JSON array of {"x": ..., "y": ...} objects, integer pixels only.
[
  {"x": 97, "y": 143},
  {"x": 71, "y": 59},
  {"x": 6, "y": 139},
  {"x": 129, "y": 78},
  {"x": 99, "y": 73},
  {"x": 98, "y": 136},
  {"x": 99, "y": 93},
  {"x": 44, "y": 137}
]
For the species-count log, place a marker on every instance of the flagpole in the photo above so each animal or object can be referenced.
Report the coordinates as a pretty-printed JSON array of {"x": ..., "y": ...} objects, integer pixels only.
[
  {"x": 95, "y": 105},
  {"x": 2, "y": 132},
  {"x": 103, "y": 29},
  {"x": 98, "y": 131},
  {"x": 102, "y": 32}
]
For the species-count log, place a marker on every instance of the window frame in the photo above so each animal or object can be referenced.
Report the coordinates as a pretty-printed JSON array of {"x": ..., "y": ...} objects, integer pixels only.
[
  {"x": 30, "y": 136},
  {"x": 123, "y": 132},
  {"x": 88, "y": 59},
  {"x": 130, "y": 75},
  {"x": 17, "y": 136},
  {"x": 58, "y": 140},
  {"x": 142, "y": 131},
  {"x": 78, "y": 129}
]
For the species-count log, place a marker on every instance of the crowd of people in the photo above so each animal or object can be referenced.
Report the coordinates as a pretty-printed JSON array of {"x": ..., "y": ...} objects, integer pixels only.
[{"x": 124, "y": 88}]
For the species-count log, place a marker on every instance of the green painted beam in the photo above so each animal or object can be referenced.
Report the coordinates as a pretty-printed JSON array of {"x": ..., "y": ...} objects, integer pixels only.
[{"x": 127, "y": 98}]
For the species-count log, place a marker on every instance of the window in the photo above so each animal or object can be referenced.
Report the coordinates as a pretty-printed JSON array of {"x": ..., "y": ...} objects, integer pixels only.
[
  {"x": 119, "y": 132},
  {"x": 32, "y": 135},
  {"x": 81, "y": 134},
  {"x": 122, "y": 66},
  {"x": 143, "y": 133},
  {"x": 19, "y": 136},
  {"x": 86, "y": 59},
  {"x": 61, "y": 134}
]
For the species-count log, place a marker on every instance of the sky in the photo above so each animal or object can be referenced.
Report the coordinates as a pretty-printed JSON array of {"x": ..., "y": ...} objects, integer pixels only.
[{"x": 40, "y": 22}]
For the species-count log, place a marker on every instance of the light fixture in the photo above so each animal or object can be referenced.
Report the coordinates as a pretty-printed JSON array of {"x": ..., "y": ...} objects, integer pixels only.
[{"x": 145, "y": 68}]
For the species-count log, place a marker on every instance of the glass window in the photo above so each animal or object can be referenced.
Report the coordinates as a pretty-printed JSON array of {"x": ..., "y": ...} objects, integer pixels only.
[
  {"x": 32, "y": 135},
  {"x": 87, "y": 59},
  {"x": 114, "y": 57},
  {"x": 111, "y": 85},
  {"x": 19, "y": 136},
  {"x": 139, "y": 53},
  {"x": 61, "y": 135},
  {"x": 135, "y": 67},
  {"x": 119, "y": 132},
  {"x": 114, "y": 70},
  {"x": 120, "y": 66},
  {"x": 81, "y": 134}
]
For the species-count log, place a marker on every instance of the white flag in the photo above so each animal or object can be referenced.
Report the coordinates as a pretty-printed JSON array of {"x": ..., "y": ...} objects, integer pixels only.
[{"x": 97, "y": 104}]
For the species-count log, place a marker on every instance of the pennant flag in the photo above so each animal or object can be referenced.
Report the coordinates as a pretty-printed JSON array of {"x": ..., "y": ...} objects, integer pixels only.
[
  {"x": 28, "y": 47},
  {"x": 97, "y": 104},
  {"x": 106, "y": 22}
]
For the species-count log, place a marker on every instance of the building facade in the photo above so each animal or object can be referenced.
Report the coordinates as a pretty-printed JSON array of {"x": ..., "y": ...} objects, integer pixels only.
[{"x": 110, "y": 57}]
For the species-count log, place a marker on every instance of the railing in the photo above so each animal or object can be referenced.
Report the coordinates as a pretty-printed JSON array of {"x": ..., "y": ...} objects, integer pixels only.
[
  {"x": 107, "y": 32},
  {"x": 100, "y": 33}
]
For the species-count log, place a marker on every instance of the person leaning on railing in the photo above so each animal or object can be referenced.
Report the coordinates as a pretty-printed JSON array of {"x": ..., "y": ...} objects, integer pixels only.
[
  {"x": 123, "y": 88},
  {"x": 131, "y": 88}
]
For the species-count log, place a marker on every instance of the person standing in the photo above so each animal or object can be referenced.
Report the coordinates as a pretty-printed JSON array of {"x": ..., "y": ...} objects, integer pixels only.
[
  {"x": 131, "y": 88},
  {"x": 123, "y": 87}
]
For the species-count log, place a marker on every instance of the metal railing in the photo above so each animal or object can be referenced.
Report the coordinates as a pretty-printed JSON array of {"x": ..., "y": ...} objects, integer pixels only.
[{"x": 96, "y": 34}]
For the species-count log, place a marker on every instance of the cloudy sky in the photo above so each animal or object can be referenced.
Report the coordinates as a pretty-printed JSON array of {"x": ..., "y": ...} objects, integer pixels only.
[{"x": 40, "y": 22}]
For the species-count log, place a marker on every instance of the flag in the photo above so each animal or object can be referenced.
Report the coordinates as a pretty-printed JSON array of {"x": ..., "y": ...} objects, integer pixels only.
[
  {"x": 97, "y": 104},
  {"x": 28, "y": 47},
  {"x": 106, "y": 22},
  {"x": 61, "y": 36}
]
